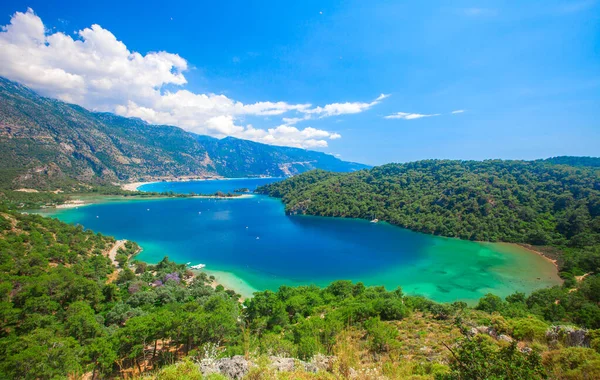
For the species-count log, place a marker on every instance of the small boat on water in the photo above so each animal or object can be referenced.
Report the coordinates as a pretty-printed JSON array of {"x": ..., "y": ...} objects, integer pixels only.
[
  {"x": 375, "y": 220},
  {"x": 197, "y": 266}
]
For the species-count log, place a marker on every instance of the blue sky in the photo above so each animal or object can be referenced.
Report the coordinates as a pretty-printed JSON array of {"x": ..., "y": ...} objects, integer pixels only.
[{"x": 525, "y": 73}]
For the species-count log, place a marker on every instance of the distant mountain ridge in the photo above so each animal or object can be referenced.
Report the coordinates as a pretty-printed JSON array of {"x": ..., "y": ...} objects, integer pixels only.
[{"x": 45, "y": 143}]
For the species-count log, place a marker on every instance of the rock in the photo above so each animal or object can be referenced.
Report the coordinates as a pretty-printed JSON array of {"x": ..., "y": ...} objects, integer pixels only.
[
  {"x": 237, "y": 367},
  {"x": 283, "y": 364},
  {"x": 234, "y": 368},
  {"x": 472, "y": 331},
  {"x": 291, "y": 364},
  {"x": 569, "y": 336},
  {"x": 488, "y": 331},
  {"x": 505, "y": 338},
  {"x": 322, "y": 362}
]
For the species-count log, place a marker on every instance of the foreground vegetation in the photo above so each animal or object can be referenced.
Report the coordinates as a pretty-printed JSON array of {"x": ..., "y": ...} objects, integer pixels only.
[{"x": 66, "y": 310}]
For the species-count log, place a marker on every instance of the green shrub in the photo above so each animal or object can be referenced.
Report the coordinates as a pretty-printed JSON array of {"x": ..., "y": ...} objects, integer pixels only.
[
  {"x": 381, "y": 337},
  {"x": 528, "y": 329}
]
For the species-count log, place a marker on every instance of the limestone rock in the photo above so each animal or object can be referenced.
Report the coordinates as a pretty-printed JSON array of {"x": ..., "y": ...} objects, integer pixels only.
[{"x": 568, "y": 335}]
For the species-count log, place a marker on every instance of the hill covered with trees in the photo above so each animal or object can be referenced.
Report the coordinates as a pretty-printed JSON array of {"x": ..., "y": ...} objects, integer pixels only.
[
  {"x": 534, "y": 202},
  {"x": 49, "y": 144}
]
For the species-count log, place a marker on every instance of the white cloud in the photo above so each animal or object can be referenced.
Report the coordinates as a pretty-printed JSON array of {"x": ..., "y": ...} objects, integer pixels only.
[
  {"x": 336, "y": 109},
  {"x": 457, "y": 111},
  {"x": 409, "y": 116},
  {"x": 96, "y": 70}
]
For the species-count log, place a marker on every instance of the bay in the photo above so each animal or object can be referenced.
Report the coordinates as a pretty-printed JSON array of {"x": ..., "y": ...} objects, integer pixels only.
[{"x": 249, "y": 244}]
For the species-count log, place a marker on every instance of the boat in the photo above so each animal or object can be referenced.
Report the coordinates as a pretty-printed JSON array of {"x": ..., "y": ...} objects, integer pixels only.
[
  {"x": 197, "y": 266},
  {"x": 375, "y": 220}
]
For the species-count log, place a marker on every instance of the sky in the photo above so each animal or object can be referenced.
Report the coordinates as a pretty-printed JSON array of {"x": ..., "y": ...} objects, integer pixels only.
[{"x": 368, "y": 81}]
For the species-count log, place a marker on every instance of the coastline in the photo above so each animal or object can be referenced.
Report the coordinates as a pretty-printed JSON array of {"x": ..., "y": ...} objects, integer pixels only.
[
  {"x": 74, "y": 203},
  {"x": 133, "y": 186},
  {"x": 230, "y": 281},
  {"x": 530, "y": 248},
  {"x": 95, "y": 199}
]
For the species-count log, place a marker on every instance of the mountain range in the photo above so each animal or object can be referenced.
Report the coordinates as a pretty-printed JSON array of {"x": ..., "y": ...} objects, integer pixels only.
[{"x": 46, "y": 143}]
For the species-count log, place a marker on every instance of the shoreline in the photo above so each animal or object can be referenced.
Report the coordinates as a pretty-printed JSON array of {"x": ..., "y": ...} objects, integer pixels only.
[
  {"x": 74, "y": 203},
  {"x": 97, "y": 199},
  {"x": 530, "y": 248},
  {"x": 133, "y": 186},
  {"x": 229, "y": 281},
  {"x": 237, "y": 284}
]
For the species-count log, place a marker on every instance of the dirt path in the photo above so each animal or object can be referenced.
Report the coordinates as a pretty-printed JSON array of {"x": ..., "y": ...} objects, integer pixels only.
[{"x": 112, "y": 254}]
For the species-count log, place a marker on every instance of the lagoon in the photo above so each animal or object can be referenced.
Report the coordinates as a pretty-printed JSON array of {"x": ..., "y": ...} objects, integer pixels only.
[{"x": 249, "y": 244}]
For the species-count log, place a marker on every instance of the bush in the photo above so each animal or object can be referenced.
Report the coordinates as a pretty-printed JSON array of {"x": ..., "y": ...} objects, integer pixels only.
[
  {"x": 480, "y": 358},
  {"x": 573, "y": 363},
  {"x": 381, "y": 337},
  {"x": 490, "y": 303},
  {"x": 528, "y": 329}
]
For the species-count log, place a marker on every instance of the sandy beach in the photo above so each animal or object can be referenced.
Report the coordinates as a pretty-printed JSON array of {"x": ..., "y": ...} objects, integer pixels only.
[
  {"x": 231, "y": 281},
  {"x": 529, "y": 248},
  {"x": 133, "y": 186},
  {"x": 73, "y": 204}
]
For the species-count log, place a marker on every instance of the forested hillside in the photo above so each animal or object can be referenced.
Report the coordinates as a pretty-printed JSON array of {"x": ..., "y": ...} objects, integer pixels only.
[
  {"x": 48, "y": 144},
  {"x": 67, "y": 310}
]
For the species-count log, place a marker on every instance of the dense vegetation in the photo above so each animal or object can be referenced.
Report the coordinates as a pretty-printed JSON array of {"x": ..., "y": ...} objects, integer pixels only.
[
  {"x": 48, "y": 144},
  {"x": 65, "y": 309},
  {"x": 69, "y": 308},
  {"x": 538, "y": 202}
]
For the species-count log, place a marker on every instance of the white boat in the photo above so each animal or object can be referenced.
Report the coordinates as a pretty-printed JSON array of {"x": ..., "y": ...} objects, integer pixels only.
[
  {"x": 197, "y": 266},
  {"x": 375, "y": 220}
]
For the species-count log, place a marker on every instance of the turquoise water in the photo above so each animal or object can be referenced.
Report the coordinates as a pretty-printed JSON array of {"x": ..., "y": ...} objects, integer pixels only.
[{"x": 250, "y": 244}]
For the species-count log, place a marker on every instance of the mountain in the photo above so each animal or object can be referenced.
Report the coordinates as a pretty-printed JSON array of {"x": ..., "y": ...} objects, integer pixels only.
[{"x": 46, "y": 143}]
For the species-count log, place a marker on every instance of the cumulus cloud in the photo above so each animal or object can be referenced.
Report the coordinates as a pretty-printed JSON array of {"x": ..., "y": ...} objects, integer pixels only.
[
  {"x": 96, "y": 70},
  {"x": 409, "y": 116}
]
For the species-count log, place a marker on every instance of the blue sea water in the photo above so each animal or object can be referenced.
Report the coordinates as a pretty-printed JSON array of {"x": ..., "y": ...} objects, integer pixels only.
[
  {"x": 252, "y": 245},
  {"x": 228, "y": 185}
]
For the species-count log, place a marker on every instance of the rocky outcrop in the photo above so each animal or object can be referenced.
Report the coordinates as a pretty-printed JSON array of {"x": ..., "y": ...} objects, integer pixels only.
[
  {"x": 237, "y": 367},
  {"x": 234, "y": 368},
  {"x": 568, "y": 336}
]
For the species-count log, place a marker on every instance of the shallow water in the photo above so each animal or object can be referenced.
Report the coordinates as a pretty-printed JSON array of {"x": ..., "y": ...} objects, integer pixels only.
[{"x": 250, "y": 244}]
